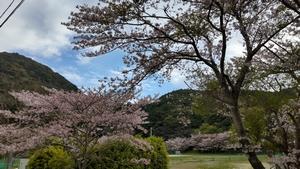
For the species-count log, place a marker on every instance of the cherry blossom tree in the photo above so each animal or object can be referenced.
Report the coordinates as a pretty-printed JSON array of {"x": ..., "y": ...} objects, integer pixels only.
[
  {"x": 78, "y": 119},
  {"x": 287, "y": 122},
  {"x": 279, "y": 63},
  {"x": 203, "y": 142},
  {"x": 279, "y": 67},
  {"x": 178, "y": 144},
  {"x": 160, "y": 36}
]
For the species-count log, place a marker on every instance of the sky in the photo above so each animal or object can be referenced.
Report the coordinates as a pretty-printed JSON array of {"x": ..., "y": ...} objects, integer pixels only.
[{"x": 35, "y": 31}]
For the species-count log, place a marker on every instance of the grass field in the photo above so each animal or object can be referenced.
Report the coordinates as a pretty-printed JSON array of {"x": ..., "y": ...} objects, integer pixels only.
[
  {"x": 204, "y": 161},
  {"x": 212, "y": 161}
]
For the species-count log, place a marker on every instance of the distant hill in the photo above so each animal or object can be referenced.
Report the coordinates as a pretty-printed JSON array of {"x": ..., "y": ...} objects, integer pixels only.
[
  {"x": 167, "y": 116},
  {"x": 202, "y": 111},
  {"x": 18, "y": 72}
]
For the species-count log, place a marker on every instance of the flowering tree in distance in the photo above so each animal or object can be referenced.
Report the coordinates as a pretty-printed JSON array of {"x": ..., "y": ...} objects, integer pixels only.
[
  {"x": 78, "y": 118},
  {"x": 160, "y": 36},
  {"x": 288, "y": 119},
  {"x": 201, "y": 142}
]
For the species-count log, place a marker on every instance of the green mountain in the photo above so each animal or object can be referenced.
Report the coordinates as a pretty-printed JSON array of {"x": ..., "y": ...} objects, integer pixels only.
[
  {"x": 175, "y": 115},
  {"x": 18, "y": 72}
]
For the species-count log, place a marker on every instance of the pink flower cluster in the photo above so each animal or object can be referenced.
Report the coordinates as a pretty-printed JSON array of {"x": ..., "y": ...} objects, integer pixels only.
[
  {"x": 201, "y": 142},
  {"x": 81, "y": 117}
]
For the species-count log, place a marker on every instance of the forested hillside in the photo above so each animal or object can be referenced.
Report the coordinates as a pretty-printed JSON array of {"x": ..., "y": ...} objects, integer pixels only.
[
  {"x": 184, "y": 112},
  {"x": 18, "y": 72},
  {"x": 176, "y": 115}
]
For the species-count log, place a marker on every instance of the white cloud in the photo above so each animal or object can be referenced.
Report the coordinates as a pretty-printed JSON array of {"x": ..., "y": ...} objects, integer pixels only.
[
  {"x": 116, "y": 73},
  {"x": 82, "y": 60},
  {"x": 235, "y": 46},
  {"x": 149, "y": 87},
  {"x": 71, "y": 74},
  {"x": 74, "y": 75},
  {"x": 178, "y": 78},
  {"x": 36, "y": 27}
]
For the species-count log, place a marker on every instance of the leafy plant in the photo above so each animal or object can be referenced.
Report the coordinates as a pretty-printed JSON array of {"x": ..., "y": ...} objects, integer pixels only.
[
  {"x": 51, "y": 157},
  {"x": 129, "y": 153},
  {"x": 159, "y": 155},
  {"x": 117, "y": 153}
]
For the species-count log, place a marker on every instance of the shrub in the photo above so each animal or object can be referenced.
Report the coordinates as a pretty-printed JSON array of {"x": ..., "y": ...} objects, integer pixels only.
[
  {"x": 117, "y": 153},
  {"x": 129, "y": 153},
  {"x": 159, "y": 153},
  {"x": 51, "y": 157}
]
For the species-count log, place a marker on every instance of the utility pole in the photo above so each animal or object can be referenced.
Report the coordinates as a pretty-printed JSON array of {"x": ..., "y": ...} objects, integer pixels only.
[{"x": 151, "y": 132}]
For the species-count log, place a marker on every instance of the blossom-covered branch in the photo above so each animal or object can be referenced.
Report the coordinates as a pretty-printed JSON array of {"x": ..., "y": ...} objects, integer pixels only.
[{"x": 80, "y": 117}]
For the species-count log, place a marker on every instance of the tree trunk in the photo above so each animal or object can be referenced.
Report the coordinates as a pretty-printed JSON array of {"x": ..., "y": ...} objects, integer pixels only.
[
  {"x": 285, "y": 142},
  {"x": 297, "y": 134},
  {"x": 244, "y": 141},
  {"x": 297, "y": 142}
]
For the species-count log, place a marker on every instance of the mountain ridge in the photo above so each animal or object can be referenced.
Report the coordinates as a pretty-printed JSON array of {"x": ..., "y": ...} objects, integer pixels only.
[{"x": 19, "y": 72}]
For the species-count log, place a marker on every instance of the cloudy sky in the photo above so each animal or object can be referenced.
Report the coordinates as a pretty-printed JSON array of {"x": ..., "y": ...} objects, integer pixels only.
[{"x": 35, "y": 31}]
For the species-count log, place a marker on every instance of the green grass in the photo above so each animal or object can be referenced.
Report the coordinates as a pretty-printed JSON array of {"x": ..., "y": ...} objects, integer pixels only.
[{"x": 213, "y": 161}]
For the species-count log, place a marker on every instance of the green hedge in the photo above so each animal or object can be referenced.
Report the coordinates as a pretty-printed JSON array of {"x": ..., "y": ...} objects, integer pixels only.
[
  {"x": 130, "y": 153},
  {"x": 51, "y": 157}
]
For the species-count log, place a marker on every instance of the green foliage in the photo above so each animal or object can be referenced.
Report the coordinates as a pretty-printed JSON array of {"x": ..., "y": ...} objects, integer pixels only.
[
  {"x": 208, "y": 129},
  {"x": 255, "y": 123},
  {"x": 129, "y": 154},
  {"x": 207, "y": 109},
  {"x": 159, "y": 155},
  {"x": 116, "y": 154},
  {"x": 269, "y": 101},
  {"x": 50, "y": 158},
  {"x": 164, "y": 116},
  {"x": 256, "y": 109},
  {"x": 20, "y": 73},
  {"x": 212, "y": 85},
  {"x": 203, "y": 112}
]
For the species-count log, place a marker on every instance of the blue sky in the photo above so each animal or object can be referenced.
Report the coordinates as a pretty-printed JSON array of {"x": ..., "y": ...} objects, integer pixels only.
[
  {"x": 85, "y": 72},
  {"x": 35, "y": 31}
]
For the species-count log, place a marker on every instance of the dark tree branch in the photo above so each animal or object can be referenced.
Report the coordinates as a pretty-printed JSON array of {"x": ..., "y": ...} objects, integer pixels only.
[
  {"x": 251, "y": 53},
  {"x": 290, "y": 6},
  {"x": 281, "y": 47}
]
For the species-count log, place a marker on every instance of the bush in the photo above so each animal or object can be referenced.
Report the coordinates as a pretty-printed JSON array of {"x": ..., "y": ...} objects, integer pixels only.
[
  {"x": 116, "y": 154},
  {"x": 129, "y": 153},
  {"x": 159, "y": 154},
  {"x": 51, "y": 157}
]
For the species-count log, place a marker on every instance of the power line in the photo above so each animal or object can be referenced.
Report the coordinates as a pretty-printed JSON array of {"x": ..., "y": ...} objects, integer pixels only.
[
  {"x": 7, "y": 8},
  {"x": 12, "y": 12}
]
